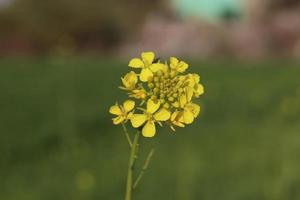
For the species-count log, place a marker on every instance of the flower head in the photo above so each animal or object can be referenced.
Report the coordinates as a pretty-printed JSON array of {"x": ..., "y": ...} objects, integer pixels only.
[{"x": 165, "y": 91}]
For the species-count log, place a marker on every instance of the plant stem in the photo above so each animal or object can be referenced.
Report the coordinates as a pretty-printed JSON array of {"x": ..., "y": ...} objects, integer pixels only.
[
  {"x": 131, "y": 163},
  {"x": 127, "y": 134},
  {"x": 145, "y": 166}
]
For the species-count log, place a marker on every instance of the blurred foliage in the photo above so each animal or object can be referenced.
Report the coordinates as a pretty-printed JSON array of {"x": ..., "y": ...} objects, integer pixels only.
[
  {"x": 102, "y": 23},
  {"x": 57, "y": 140}
]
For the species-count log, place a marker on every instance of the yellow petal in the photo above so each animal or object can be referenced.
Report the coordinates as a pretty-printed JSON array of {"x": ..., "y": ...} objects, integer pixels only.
[
  {"x": 138, "y": 120},
  {"x": 152, "y": 107},
  {"x": 182, "y": 66},
  {"x": 182, "y": 100},
  {"x": 145, "y": 74},
  {"x": 156, "y": 67},
  {"x": 125, "y": 83},
  {"x": 138, "y": 94},
  {"x": 177, "y": 118},
  {"x": 173, "y": 62},
  {"x": 199, "y": 90},
  {"x": 118, "y": 120},
  {"x": 149, "y": 129},
  {"x": 162, "y": 115},
  {"x": 194, "y": 108},
  {"x": 128, "y": 105},
  {"x": 188, "y": 116},
  {"x": 136, "y": 63},
  {"x": 129, "y": 115},
  {"x": 165, "y": 68},
  {"x": 196, "y": 78},
  {"x": 129, "y": 80},
  {"x": 115, "y": 110},
  {"x": 190, "y": 81},
  {"x": 177, "y": 123},
  {"x": 174, "y": 115},
  {"x": 148, "y": 57},
  {"x": 189, "y": 93}
]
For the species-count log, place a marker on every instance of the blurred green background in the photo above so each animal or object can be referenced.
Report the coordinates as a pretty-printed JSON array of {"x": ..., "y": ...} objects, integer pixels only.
[{"x": 60, "y": 68}]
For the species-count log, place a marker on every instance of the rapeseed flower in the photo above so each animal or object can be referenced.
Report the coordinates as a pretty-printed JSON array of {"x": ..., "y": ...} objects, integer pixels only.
[
  {"x": 149, "y": 117},
  {"x": 165, "y": 93}
]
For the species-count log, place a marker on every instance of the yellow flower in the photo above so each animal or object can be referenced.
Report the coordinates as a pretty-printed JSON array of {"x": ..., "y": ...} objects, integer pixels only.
[
  {"x": 123, "y": 112},
  {"x": 185, "y": 116},
  {"x": 129, "y": 81},
  {"x": 151, "y": 115},
  {"x": 178, "y": 66},
  {"x": 146, "y": 64}
]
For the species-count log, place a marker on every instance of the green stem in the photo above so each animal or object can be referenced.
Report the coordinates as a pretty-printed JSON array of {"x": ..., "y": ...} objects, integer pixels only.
[
  {"x": 127, "y": 134},
  {"x": 145, "y": 166},
  {"x": 131, "y": 163}
]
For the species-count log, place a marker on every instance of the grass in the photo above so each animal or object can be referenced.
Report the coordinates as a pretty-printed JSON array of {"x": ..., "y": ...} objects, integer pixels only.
[{"x": 57, "y": 140}]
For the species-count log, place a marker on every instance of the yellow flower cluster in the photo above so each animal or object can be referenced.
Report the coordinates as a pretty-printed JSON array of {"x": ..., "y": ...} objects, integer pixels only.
[{"x": 165, "y": 94}]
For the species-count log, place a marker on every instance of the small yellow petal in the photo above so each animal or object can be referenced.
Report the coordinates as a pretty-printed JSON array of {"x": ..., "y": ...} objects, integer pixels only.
[
  {"x": 199, "y": 90},
  {"x": 182, "y": 100},
  {"x": 148, "y": 57},
  {"x": 196, "y": 78},
  {"x": 179, "y": 124},
  {"x": 130, "y": 80},
  {"x": 138, "y": 94},
  {"x": 177, "y": 118},
  {"x": 189, "y": 93},
  {"x": 138, "y": 120},
  {"x": 188, "y": 116},
  {"x": 118, "y": 120},
  {"x": 174, "y": 115},
  {"x": 149, "y": 129},
  {"x": 162, "y": 115},
  {"x": 156, "y": 67},
  {"x": 194, "y": 108},
  {"x": 128, "y": 105},
  {"x": 165, "y": 68},
  {"x": 173, "y": 62},
  {"x": 115, "y": 110},
  {"x": 152, "y": 107},
  {"x": 145, "y": 74},
  {"x": 125, "y": 83},
  {"x": 136, "y": 63},
  {"x": 182, "y": 66},
  {"x": 129, "y": 115}
]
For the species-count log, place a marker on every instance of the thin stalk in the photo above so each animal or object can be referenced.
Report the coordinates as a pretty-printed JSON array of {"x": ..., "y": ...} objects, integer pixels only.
[
  {"x": 127, "y": 134},
  {"x": 131, "y": 163},
  {"x": 145, "y": 166}
]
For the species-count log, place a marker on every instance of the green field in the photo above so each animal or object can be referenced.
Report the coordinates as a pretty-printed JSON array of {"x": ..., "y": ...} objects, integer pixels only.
[{"x": 57, "y": 140}]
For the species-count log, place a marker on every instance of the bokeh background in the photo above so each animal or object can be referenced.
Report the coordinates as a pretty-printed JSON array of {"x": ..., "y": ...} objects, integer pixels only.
[{"x": 60, "y": 68}]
